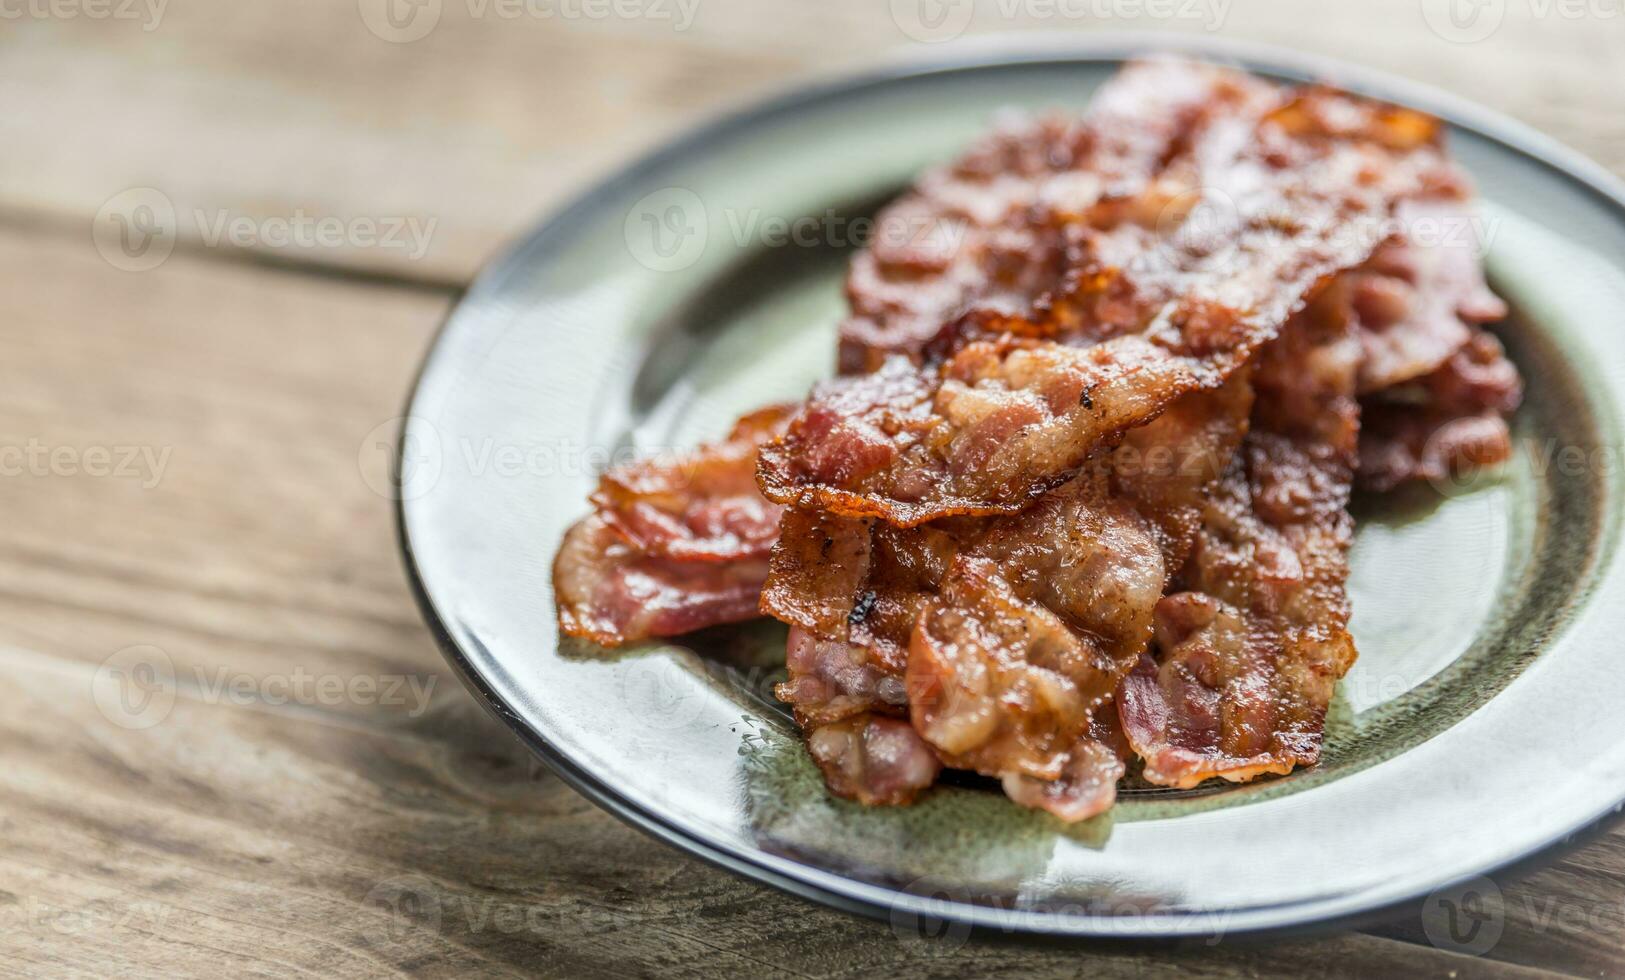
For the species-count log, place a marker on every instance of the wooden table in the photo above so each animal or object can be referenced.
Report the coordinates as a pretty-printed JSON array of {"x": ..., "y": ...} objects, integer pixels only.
[{"x": 188, "y": 464}]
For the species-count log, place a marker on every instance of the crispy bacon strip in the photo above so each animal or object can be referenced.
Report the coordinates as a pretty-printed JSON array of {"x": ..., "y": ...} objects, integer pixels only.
[
  {"x": 987, "y": 237},
  {"x": 611, "y": 593},
  {"x": 854, "y": 590},
  {"x": 1033, "y": 629},
  {"x": 701, "y": 505},
  {"x": 1059, "y": 413},
  {"x": 1168, "y": 467},
  {"x": 1247, "y": 656},
  {"x": 673, "y": 544},
  {"x": 851, "y": 591},
  {"x": 1437, "y": 388},
  {"x": 1450, "y": 420},
  {"x": 1417, "y": 301},
  {"x": 1309, "y": 195},
  {"x": 1088, "y": 782},
  {"x": 874, "y": 759}
]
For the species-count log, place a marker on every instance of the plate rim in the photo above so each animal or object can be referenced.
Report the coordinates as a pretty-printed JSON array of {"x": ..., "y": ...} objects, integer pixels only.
[{"x": 814, "y": 883}]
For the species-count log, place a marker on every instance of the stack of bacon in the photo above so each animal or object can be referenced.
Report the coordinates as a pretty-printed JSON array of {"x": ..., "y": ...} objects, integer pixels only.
[{"x": 1079, "y": 497}]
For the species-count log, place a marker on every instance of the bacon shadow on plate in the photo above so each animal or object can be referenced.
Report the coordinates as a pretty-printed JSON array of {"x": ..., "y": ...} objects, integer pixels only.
[{"x": 1077, "y": 504}]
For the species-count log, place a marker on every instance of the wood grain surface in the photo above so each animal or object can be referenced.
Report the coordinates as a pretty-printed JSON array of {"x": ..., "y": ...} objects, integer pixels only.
[{"x": 189, "y": 464}]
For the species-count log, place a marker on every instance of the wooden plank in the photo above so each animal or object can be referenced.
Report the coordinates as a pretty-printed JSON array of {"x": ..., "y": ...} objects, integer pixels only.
[
  {"x": 277, "y": 108},
  {"x": 251, "y": 833},
  {"x": 246, "y": 537},
  {"x": 1569, "y": 917},
  {"x": 267, "y": 843}
]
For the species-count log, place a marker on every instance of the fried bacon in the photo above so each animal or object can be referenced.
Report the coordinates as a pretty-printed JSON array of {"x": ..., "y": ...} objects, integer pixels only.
[
  {"x": 1437, "y": 387},
  {"x": 854, "y": 590},
  {"x": 697, "y": 506},
  {"x": 856, "y": 586},
  {"x": 611, "y": 593},
  {"x": 1307, "y": 196},
  {"x": 1450, "y": 420},
  {"x": 873, "y": 759},
  {"x": 1417, "y": 301},
  {"x": 1080, "y": 495},
  {"x": 988, "y": 237},
  {"x": 1167, "y": 467},
  {"x": 673, "y": 544},
  {"x": 1248, "y": 652},
  {"x": 1032, "y": 630}
]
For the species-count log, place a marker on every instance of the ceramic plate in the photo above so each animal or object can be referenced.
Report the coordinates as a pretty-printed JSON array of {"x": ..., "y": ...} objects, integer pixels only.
[{"x": 1481, "y": 725}]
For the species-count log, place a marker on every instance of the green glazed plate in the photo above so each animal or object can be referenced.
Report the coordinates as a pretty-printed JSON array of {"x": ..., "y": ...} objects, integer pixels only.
[{"x": 1480, "y": 727}]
